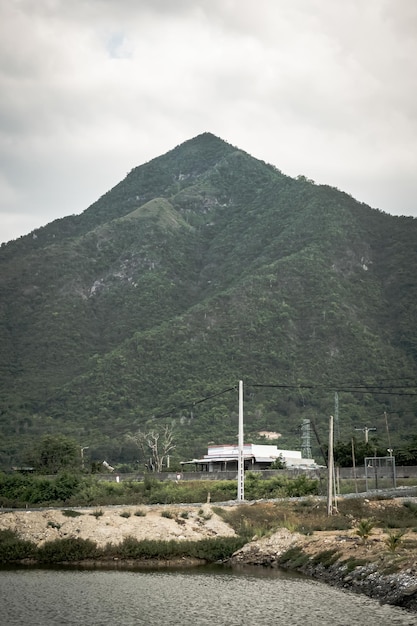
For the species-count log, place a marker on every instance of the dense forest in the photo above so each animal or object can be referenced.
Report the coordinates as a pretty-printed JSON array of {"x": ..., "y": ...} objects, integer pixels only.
[{"x": 203, "y": 267}]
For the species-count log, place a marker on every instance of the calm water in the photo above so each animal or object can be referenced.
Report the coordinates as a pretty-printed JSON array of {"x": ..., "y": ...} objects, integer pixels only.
[{"x": 184, "y": 598}]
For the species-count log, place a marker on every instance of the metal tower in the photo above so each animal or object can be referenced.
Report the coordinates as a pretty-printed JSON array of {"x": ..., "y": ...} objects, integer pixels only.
[{"x": 305, "y": 440}]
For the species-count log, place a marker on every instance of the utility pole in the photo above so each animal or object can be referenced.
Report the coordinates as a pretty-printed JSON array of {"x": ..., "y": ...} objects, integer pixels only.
[
  {"x": 366, "y": 431},
  {"x": 354, "y": 465},
  {"x": 82, "y": 455},
  {"x": 330, "y": 469},
  {"x": 240, "y": 460},
  {"x": 389, "y": 449}
]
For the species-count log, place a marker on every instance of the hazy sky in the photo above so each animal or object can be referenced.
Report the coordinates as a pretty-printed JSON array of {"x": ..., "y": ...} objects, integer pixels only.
[{"x": 92, "y": 88}]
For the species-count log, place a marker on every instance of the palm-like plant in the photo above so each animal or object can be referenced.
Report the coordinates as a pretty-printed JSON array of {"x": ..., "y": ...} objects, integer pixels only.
[{"x": 364, "y": 529}]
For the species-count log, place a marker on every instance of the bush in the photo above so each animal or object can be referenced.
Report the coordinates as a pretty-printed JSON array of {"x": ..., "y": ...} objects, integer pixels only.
[
  {"x": 216, "y": 549},
  {"x": 12, "y": 548},
  {"x": 66, "y": 550},
  {"x": 210, "y": 550}
]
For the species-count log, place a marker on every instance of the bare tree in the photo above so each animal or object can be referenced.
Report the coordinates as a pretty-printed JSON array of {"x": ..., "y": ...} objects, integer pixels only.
[{"x": 155, "y": 445}]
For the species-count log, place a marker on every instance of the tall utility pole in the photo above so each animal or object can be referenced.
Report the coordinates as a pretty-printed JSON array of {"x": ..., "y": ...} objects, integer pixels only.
[
  {"x": 366, "y": 431},
  {"x": 240, "y": 459},
  {"x": 330, "y": 470},
  {"x": 354, "y": 465},
  {"x": 389, "y": 449}
]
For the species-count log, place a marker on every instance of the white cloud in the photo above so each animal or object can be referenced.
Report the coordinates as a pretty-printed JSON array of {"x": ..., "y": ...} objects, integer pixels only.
[{"x": 91, "y": 89}]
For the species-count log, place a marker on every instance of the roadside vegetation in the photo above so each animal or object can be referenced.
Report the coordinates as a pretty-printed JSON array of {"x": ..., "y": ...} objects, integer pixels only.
[{"x": 68, "y": 489}]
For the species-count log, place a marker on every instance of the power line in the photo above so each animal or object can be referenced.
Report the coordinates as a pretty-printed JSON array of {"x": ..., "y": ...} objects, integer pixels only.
[
  {"x": 189, "y": 405},
  {"x": 359, "y": 388}
]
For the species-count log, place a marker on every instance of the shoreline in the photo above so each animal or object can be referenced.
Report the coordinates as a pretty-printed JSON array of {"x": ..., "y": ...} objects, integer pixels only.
[{"x": 338, "y": 558}]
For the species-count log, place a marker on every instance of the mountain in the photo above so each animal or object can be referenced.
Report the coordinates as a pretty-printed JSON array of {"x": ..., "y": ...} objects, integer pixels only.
[{"x": 203, "y": 267}]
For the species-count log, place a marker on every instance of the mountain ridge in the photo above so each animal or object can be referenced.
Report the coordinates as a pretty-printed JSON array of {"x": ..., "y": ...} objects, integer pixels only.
[{"x": 202, "y": 267}]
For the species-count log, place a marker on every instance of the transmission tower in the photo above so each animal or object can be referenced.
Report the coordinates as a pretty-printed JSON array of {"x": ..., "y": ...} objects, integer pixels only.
[{"x": 305, "y": 440}]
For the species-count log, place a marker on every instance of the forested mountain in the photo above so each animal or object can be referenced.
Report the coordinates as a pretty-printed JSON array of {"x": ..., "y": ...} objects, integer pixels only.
[{"x": 201, "y": 268}]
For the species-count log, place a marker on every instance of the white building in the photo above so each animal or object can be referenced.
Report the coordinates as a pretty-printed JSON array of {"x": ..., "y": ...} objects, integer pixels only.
[{"x": 256, "y": 456}]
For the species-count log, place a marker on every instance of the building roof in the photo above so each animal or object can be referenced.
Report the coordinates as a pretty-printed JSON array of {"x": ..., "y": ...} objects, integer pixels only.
[{"x": 259, "y": 453}]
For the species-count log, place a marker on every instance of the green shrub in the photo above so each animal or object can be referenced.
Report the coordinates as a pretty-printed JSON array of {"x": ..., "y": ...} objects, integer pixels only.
[
  {"x": 364, "y": 529},
  {"x": 210, "y": 550},
  {"x": 66, "y": 550},
  {"x": 97, "y": 513},
  {"x": 140, "y": 513},
  {"x": 167, "y": 514},
  {"x": 293, "y": 558},
  {"x": 216, "y": 549},
  {"x": 126, "y": 514},
  {"x": 12, "y": 548}
]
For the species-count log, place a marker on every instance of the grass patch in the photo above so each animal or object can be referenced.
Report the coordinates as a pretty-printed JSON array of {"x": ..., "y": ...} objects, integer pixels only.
[
  {"x": 140, "y": 513},
  {"x": 125, "y": 514},
  {"x": 258, "y": 519}
]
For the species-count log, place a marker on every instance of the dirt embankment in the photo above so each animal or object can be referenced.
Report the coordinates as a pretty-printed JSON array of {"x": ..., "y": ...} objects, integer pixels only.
[{"x": 113, "y": 524}]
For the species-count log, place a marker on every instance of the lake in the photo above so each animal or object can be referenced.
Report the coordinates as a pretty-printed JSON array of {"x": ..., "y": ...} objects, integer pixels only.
[{"x": 210, "y": 596}]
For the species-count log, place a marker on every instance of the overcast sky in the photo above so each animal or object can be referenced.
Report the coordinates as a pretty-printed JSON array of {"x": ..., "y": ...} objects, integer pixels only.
[{"x": 92, "y": 88}]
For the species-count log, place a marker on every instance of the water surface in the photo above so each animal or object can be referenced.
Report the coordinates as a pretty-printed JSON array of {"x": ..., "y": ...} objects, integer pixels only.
[{"x": 197, "y": 597}]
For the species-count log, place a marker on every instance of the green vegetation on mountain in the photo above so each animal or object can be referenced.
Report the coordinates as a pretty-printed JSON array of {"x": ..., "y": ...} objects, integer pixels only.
[{"x": 203, "y": 267}]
